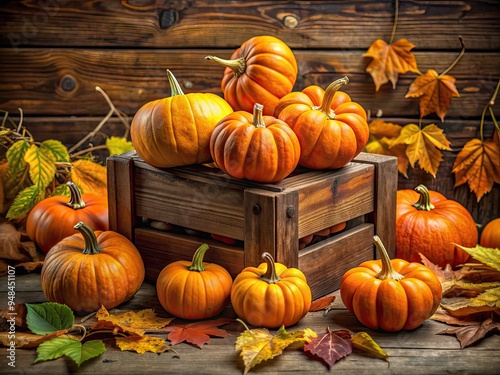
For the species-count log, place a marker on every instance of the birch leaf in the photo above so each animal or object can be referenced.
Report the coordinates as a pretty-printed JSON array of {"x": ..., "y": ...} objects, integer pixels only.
[
  {"x": 329, "y": 347},
  {"x": 25, "y": 201},
  {"x": 56, "y": 148},
  {"x": 118, "y": 145},
  {"x": 42, "y": 165},
  {"x": 15, "y": 156},
  {"x": 71, "y": 348}
]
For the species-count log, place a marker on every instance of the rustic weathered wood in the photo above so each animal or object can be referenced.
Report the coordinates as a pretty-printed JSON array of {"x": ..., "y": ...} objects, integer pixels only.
[{"x": 421, "y": 351}]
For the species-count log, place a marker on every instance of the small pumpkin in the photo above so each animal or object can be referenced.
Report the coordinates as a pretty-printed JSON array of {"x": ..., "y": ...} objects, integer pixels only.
[
  {"x": 194, "y": 290},
  {"x": 429, "y": 223},
  {"x": 175, "y": 131},
  {"x": 54, "y": 218},
  {"x": 391, "y": 295},
  {"x": 263, "y": 69},
  {"x": 331, "y": 128},
  {"x": 90, "y": 269},
  {"x": 271, "y": 295},
  {"x": 490, "y": 236},
  {"x": 255, "y": 147}
]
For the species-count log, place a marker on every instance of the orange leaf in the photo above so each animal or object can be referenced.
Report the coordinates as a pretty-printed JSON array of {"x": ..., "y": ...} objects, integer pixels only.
[
  {"x": 478, "y": 164},
  {"x": 323, "y": 303},
  {"x": 423, "y": 146},
  {"x": 90, "y": 177},
  {"x": 434, "y": 93},
  {"x": 197, "y": 333},
  {"x": 389, "y": 61}
]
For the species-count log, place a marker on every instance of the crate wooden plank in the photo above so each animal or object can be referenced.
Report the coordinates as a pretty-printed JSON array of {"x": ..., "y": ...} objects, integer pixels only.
[{"x": 324, "y": 263}]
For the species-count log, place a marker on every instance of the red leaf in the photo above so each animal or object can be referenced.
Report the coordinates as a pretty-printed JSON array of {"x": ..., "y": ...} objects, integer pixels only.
[
  {"x": 329, "y": 346},
  {"x": 197, "y": 333}
]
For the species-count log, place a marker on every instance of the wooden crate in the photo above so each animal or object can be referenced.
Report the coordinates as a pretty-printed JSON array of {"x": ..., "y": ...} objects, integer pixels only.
[{"x": 262, "y": 217}]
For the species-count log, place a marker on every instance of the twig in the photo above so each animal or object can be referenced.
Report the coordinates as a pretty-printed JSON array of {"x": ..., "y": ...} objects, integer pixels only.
[
  {"x": 457, "y": 59},
  {"x": 119, "y": 113},
  {"x": 93, "y": 132},
  {"x": 20, "y": 125},
  {"x": 394, "y": 25}
]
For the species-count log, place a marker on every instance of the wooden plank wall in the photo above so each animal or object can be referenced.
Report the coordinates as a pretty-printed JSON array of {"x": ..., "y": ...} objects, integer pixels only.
[{"x": 55, "y": 52}]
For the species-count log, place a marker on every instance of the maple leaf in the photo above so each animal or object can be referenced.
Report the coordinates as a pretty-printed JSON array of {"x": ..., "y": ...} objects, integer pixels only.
[
  {"x": 142, "y": 345},
  {"x": 258, "y": 345},
  {"x": 469, "y": 334},
  {"x": 389, "y": 61},
  {"x": 90, "y": 177},
  {"x": 329, "y": 347},
  {"x": 478, "y": 164},
  {"x": 434, "y": 92},
  {"x": 197, "y": 333},
  {"x": 423, "y": 146}
]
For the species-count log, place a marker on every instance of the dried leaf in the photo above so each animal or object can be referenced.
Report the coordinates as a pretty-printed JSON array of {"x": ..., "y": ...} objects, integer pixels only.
[
  {"x": 142, "y": 345},
  {"x": 90, "y": 177},
  {"x": 364, "y": 342},
  {"x": 478, "y": 164},
  {"x": 389, "y": 61},
  {"x": 329, "y": 347},
  {"x": 258, "y": 345},
  {"x": 423, "y": 146},
  {"x": 434, "y": 93},
  {"x": 470, "y": 334},
  {"x": 197, "y": 333},
  {"x": 488, "y": 256},
  {"x": 24, "y": 340},
  {"x": 464, "y": 308},
  {"x": 323, "y": 303},
  {"x": 490, "y": 297},
  {"x": 10, "y": 243},
  {"x": 18, "y": 312}
]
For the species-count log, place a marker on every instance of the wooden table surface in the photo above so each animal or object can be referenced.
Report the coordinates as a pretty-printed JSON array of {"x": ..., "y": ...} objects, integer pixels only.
[{"x": 421, "y": 351}]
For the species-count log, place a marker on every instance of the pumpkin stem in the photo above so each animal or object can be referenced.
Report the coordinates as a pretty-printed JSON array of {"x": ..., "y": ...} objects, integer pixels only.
[
  {"x": 237, "y": 65},
  {"x": 175, "y": 88},
  {"x": 387, "y": 271},
  {"x": 75, "y": 200},
  {"x": 91, "y": 245},
  {"x": 197, "y": 263},
  {"x": 424, "y": 200},
  {"x": 258, "y": 120},
  {"x": 328, "y": 97},
  {"x": 270, "y": 276}
]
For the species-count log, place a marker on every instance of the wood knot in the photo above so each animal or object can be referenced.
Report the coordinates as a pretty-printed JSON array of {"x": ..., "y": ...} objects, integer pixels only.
[
  {"x": 168, "y": 17},
  {"x": 67, "y": 83},
  {"x": 290, "y": 21}
]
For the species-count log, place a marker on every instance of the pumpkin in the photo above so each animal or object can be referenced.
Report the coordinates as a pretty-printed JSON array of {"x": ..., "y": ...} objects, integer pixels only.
[
  {"x": 54, "y": 218},
  {"x": 332, "y": 129},
  {"x": 91, "y": 269},
  {"x": 194, "y": 290},
  {"x": 255, "y": 147},
  {"x": 263, "y": 69},
  {"x": 429, "y": 223},
  {"x": 490, "y": 236},
  {"x": 391, "y": 295},
  {"x": 271, "y": 295},
  {"x": 175, "y": 131}
]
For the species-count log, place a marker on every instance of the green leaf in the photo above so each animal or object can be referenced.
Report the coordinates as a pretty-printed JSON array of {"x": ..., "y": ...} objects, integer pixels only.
[
  {"x": 57, "y": 149},
  {"x": 48, "y": 317},
  {"x": 490, "y": 257},
  {"x": 15, "y": 155},
  {"x": 25, "y": 201},
  {"x": 118, "y": 145},
  {"x": 14, "y": 182},
  {"x": 42, "y": 165},
  {"x": 62, "y": 189},
  {"x": 71, "y": 348}
]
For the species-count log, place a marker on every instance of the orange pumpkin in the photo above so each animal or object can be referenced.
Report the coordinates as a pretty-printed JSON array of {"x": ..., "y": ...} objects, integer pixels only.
[
  {"x": 90, "y": 269},
  {"x": 390, "y": 295},
  {"x": 429, "y": 223},
  {"x": 194, "y": 290},
  {"x": 258, "y": 148},
  {"x": 176, "y": 131},
  {"x": 331, "y": 128},
  {"x": 490, "y": 236},
  {"x": 271, "y": 295},
  {"x": 262, "y": 70},
  {"x": 54, "y": 218}
]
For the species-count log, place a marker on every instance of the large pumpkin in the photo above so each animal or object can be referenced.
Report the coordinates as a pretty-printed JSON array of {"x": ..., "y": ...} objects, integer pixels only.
[
  {"x": 194, "y": 290},
  {"x": 331, "y": 128},
  {"x": 490, "y": 236},
  {"x": 429, "y": 223},
  {"x": 255, "y": 147},
  {"x": 90, "y": 269},
  {"x": 54, "y": 218},
  {"x": 390, "y": 295},
  {"x": 262, "y": 70},
  {"x": 271, "y": 295},
  {"x": 176, "y": 131}
]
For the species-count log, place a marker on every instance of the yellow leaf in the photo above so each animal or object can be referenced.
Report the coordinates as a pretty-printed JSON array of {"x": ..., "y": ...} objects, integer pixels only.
[
  {"x": 118, "y": 145},
  {"x": 380, "y": 129},
  {"x": 258, "y": 345},
  {"x": 58, "y": 150},
  {"x": 490, "y": 297},
  {"x": 389, "y": 61},
  {"x": 133, "y": 322},
  {"x": 363, "y": 341},
  {"x": 434, "y": 93},
  {"x": 42, "y": 165},
  {"x": 142, "y": 345},
  {"x": 488, "y": 256},
  {"x": 423, "y": 146},
  {"x": 478, "y": 164},
  {"x": 90, "y": 177},
  {"x": 15, "y": 156}
]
